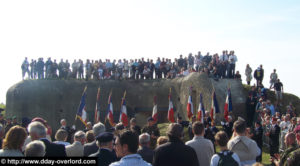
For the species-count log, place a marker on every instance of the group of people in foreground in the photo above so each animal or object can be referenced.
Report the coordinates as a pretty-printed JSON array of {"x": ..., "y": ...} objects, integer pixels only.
[{"x": 143, "y": 147}]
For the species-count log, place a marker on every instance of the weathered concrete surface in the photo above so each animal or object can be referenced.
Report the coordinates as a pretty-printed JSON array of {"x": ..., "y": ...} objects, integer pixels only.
[{"x": 57, "y": 99}]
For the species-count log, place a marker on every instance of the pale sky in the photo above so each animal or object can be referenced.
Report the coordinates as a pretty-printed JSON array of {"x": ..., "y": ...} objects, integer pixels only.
[{"x": 260, "y": 32}]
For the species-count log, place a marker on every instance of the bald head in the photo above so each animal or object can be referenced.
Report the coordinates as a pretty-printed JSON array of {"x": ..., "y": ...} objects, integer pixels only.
[{"x": 290, "y": 139}]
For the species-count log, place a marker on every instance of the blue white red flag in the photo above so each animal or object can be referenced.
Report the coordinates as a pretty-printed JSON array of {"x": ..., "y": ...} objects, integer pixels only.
[
  {"x": 110, "y": 112},
  {"x": 201, "y": 110},
  {"x": 228, "y": 105},
  {"x": 190, "y": 108},
  {"x": 214, "y": 107},
  {"x": 123, "y": 113},
  {"x": 171, "y": 110},
  {"x": 81, "y": 113}
]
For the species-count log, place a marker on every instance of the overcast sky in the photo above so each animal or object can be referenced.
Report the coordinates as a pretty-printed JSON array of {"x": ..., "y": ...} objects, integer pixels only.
[{"x": 260, "y": 32}]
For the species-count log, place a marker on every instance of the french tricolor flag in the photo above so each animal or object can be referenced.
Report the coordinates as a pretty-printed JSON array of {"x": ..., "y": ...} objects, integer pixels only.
[
  {"x": 171, "y": 110},
  {"x": 81, "y": 113},
  {"x": 189, "y": 108},
  {"x": 201, "y": 111},
  {"x": 214, "y": 107},
  {"x": 228, "y": 105},
  {"x": 154, "y": 112},
  {"x": 123, "y": 115},
  {"x": 110, "y": 111}
]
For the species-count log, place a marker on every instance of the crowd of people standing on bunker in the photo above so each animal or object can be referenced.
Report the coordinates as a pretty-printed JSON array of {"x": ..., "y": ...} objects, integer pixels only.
[{"x": 217, "y": 66}]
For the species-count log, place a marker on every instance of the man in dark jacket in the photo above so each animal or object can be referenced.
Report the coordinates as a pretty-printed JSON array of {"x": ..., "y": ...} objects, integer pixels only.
[
  {"x": 274, "y": 137},
  {"x": 175, "y": 152},
  {"x": 227, "y": 127},
  {"x": 70, "y": 130},
  {"x": 152, "y": 130},
  {"x": 37, "y": 131},
  {"x": 91, "y": 148},
  {"x": 257, "y": 137},
  {"x": 259, "y": 75},
  {"x": 145, "y": 151},
  {"x": 105, "y": 154}
]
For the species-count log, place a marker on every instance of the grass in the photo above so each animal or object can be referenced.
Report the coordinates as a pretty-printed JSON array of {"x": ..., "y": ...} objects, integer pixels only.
[{"x": 163, "y": 127}]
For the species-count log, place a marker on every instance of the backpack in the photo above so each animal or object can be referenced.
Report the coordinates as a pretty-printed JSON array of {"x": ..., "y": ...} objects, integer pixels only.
[{"x": 227, "y": 160}]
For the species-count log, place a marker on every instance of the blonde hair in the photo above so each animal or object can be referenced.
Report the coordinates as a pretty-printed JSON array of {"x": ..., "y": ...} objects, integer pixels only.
[
  {"x": 162, "y": 140},
  {"x": 61, "y": 135}
]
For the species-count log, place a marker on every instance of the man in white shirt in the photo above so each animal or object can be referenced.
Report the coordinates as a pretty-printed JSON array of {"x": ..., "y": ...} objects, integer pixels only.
[
  {"x": 232, "y": 59},
  {"x": 199, "y": 143}
]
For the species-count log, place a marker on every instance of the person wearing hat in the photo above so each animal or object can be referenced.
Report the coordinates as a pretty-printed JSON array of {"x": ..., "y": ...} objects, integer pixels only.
[
  {"x": 175, "y": 152},
  {"x": 152, "y": 130},
  {"x": 105, "y": 154},
  {"x": 274, "y": 137}
]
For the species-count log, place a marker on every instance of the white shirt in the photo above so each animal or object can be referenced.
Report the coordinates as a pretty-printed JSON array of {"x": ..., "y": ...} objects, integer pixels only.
[
  {"x": 232, "y": 59},
  {"x": 62, "y": 143},
  {"x": 185, "y": 73},
  {"x": 223, "y": 58}
]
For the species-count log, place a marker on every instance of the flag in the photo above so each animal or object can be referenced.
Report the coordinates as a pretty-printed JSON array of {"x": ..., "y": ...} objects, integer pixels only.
[
  {"x": 154, "y": 112},
  {"x": 189, "y": 108},
  {"x": 228, "y": 105},
  {"x": 214, "y": 107},
  {"x": 110, "y": 111},
  {"x": 97, "y": 109},
  {"x": 123, "y": 113},
  {"x": 81, "y": 113},
  {"x": 201, "y": 110},
  {"x": 171, "y": 110}
]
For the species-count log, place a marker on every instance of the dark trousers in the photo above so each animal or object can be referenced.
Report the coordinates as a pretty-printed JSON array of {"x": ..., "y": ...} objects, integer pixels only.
[
  {"x": 259, "y": 158},
  {"x": 231, "y": 70},
  {"x": 273, "y": 150},
  {"x": 158, "y": 73}
]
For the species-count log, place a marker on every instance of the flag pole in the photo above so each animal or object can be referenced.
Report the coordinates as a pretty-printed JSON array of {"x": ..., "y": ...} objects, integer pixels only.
[
  {"x": 170, "y": 93},
  {"x": 98, "y": 96},
  {"x": 124, "y": 95},
  {"x": 109, "y": 96}
]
